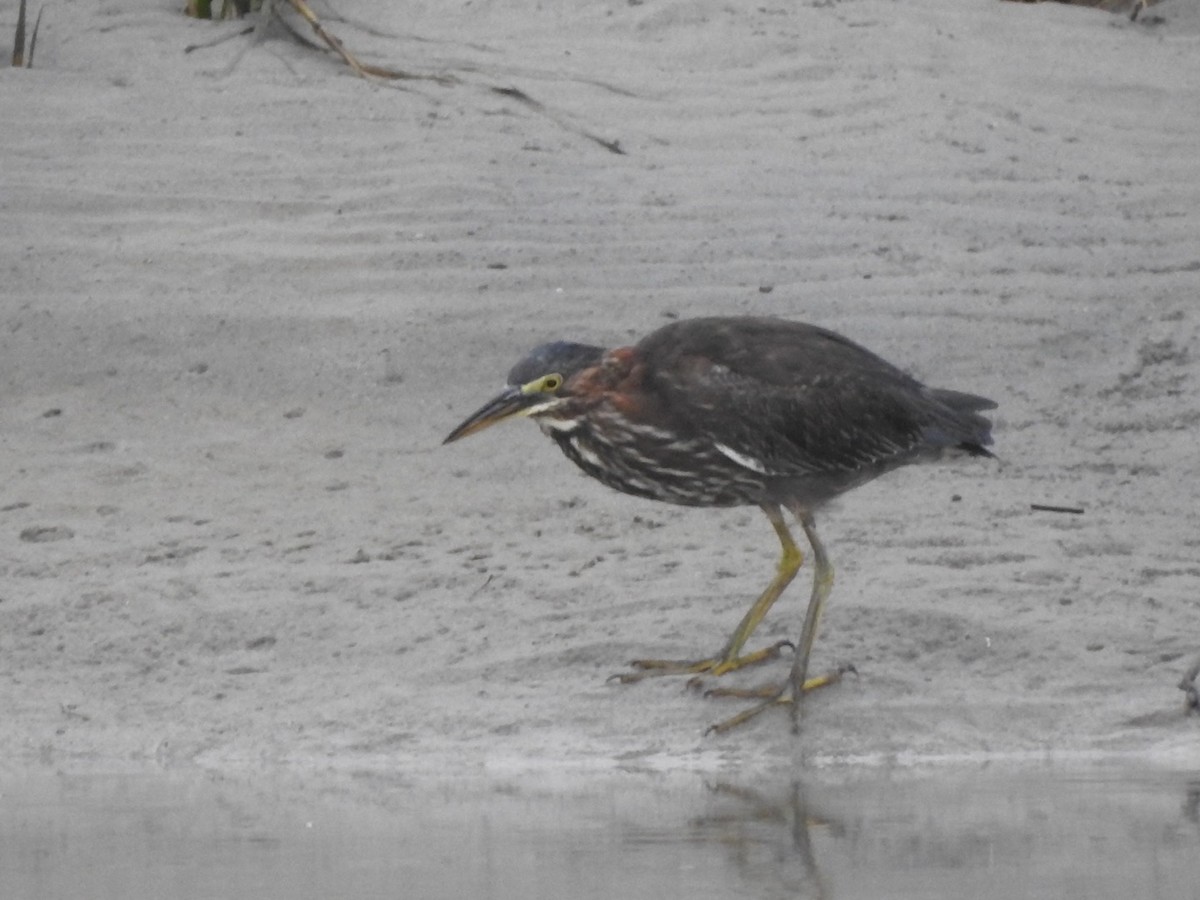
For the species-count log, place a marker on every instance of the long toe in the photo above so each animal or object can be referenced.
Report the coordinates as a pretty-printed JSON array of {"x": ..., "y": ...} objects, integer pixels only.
[
  {"x": 762, "y": 692},
  {"x": 780, "y": 697},
  {"x": 714, "y": 665},
  {"x": 771, "y": 695}
]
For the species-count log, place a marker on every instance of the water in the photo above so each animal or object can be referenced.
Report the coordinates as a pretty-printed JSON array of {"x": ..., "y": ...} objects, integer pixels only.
[{"x": 962, "y": 834}]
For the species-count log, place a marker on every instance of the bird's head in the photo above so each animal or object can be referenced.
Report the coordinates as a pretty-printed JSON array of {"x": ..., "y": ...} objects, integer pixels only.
[{"x": 535, "y": 385}]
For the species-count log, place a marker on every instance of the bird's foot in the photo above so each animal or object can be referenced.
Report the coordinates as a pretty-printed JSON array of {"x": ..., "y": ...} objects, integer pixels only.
[
  {"x": 773, "y": 695},
  {"x": 654, "y": 668},
  {"x": 773, "y": 690}
]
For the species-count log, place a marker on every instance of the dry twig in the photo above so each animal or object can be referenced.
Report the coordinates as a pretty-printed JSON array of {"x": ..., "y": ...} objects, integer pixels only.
[
  {"x": 270, "y": 11},
  {"x": 1135, "y": 7}
]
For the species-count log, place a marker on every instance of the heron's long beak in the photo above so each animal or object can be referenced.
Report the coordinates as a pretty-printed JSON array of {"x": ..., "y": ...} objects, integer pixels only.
[{"x": 514, "y": 401}]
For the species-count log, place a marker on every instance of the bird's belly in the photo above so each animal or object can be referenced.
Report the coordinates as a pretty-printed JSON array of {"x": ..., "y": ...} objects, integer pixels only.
[{"x": 655, "y": 464}]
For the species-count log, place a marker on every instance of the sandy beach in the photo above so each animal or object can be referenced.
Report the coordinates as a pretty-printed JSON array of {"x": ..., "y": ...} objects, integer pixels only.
[{"x": 246, "y": 294}]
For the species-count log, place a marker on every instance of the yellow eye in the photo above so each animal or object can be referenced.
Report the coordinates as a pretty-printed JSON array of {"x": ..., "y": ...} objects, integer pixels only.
[{"x": 547, "y": 384}]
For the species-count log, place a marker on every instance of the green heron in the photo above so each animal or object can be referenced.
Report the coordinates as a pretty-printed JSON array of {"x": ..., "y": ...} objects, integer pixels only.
[{"x": 733, "y": 412}]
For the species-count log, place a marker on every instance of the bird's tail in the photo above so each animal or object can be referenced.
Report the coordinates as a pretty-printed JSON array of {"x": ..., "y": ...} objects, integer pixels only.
[{"x": 964, "y": 428}]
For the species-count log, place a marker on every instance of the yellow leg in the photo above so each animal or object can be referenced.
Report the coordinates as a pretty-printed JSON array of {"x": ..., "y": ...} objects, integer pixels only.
[
  {"x": 792, "y": 691},
  {"x": 730, "y": 657},
  {"x": 822, "y": 585}
]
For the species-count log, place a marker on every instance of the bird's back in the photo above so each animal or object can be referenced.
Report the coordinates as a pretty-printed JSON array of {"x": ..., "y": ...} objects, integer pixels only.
[{"x": 812, "y": 412}]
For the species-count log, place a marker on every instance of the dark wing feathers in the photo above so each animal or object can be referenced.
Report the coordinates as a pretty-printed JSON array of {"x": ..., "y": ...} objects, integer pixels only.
[{"x": 799, "y": 399}]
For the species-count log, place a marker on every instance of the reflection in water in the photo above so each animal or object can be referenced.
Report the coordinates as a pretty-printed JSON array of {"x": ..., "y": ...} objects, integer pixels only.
[
  {"x": 833, "y": 834},
  {"x": 969, "y": 834},
  {"x": 770, "y": 839},
  {"x": 1191, "y": 803}
]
